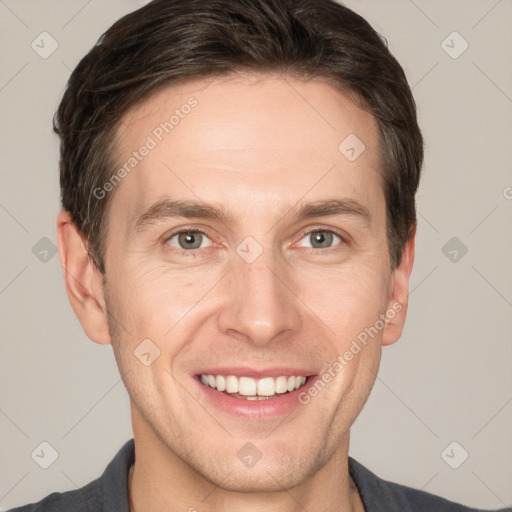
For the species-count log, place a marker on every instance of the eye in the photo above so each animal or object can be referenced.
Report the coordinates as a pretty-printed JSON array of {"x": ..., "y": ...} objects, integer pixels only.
[
  {"x": 321, "y": 239},
  {"x": 189, "y": 240}
]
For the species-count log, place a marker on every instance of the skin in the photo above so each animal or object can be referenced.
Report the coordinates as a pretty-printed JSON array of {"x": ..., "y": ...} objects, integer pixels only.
[{"x": 259, "y": 146}]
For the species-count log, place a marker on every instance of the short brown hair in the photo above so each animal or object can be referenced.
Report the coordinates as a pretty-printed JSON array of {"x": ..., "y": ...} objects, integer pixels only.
[{"x": 168, "y": 41}]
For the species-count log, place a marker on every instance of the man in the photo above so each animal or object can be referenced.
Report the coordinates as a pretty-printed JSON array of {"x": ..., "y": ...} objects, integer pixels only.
[{"x": 238, "y": 187}]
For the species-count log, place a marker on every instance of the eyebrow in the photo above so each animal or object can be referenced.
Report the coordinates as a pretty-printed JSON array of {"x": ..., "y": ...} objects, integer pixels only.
[{"x": 169, "y": 208}]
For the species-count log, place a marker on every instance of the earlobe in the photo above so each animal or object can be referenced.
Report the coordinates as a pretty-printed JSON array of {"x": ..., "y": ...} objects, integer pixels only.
[
  {"x": 84, "y": 283},
  {"x": 396, "y": 311}
]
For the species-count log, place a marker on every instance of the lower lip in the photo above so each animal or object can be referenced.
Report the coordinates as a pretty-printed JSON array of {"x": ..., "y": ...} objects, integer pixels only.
[{"x": 280, "y": 405}]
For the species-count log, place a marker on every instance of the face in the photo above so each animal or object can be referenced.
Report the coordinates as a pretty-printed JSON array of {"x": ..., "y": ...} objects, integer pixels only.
[{"x": 245, "y": 247}]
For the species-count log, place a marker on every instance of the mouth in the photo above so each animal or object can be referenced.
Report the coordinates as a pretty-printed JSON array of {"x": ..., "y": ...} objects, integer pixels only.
[
  {"x": 248, "y": 388},
  {"x": 255, "y": 395}
]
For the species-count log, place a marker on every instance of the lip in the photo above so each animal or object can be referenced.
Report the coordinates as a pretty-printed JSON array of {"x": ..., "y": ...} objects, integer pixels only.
[{"x": 281, "y": 405}]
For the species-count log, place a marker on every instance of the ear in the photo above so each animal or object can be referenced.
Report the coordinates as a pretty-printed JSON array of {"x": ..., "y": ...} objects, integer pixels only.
[
  {"x": 84, "y": 282},
  {"x": 397, "y": 306}
]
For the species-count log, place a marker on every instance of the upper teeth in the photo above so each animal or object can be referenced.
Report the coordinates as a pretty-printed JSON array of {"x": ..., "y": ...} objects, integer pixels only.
[{"x": 268, "y": 386}]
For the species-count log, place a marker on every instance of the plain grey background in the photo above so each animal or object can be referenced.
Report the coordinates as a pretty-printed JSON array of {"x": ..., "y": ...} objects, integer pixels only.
[{"x": 444, "y": 391}]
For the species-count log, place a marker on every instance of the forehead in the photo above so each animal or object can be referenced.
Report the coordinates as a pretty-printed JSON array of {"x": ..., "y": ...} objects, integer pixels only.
[{"x": 257, "y": 143}]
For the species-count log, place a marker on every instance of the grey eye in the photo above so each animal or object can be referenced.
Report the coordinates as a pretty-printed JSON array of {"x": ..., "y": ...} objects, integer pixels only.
[
  {"x": 189, "y": 240},
  {"x": 321, "y": 239}
]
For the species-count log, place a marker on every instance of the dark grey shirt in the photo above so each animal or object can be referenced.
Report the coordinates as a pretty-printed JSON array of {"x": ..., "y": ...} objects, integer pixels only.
[{"x": 109, "y": 492}]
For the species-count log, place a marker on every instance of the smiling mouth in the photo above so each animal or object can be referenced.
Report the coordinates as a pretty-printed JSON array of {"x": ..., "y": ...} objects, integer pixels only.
[{"x": 247, "y": 388}]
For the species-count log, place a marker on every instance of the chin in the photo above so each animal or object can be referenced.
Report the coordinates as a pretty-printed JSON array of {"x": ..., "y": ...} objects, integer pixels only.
[
  {"x": 267, "y": 475},
  {"x": 259, "y": 481}
]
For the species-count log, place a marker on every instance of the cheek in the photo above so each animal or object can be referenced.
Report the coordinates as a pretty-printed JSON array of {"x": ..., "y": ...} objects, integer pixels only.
[
  {"x": 347, "y": 299},
  {"x": 152, "y": 299}
]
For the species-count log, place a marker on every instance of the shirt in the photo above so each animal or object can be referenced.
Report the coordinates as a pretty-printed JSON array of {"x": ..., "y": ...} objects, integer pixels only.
[{"x": 109, "y": 492}]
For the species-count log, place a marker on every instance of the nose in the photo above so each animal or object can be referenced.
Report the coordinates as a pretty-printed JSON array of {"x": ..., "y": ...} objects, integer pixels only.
[{"x": 260, "y": 304}]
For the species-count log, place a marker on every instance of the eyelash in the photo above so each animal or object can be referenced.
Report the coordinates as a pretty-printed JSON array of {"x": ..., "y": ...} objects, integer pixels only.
[{"x": 195, "y": 252}]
